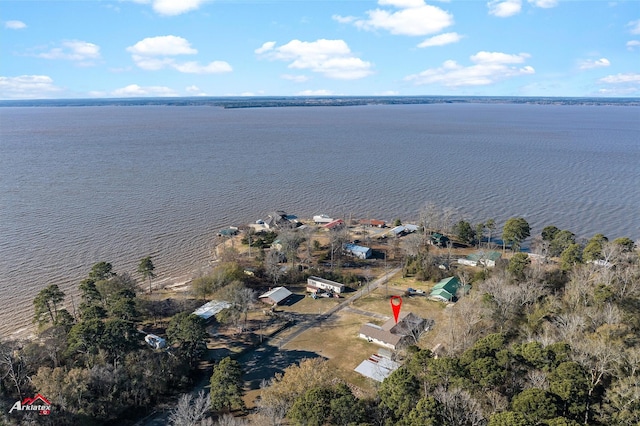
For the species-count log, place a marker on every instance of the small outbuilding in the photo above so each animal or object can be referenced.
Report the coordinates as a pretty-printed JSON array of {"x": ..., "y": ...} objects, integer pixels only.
[
  {"x": 209, "y": 309},
  {"x": 275, "y": 296},
  {"x": 377, "y": 367}
]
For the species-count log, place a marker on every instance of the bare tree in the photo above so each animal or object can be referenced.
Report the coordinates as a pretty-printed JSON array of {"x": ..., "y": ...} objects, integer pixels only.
[
  {"x": 272, "y": 265},
  {"x": 459, "y": 407},
  {"x": 191, "y": 410},
  {"x": 13, "y": 365}
]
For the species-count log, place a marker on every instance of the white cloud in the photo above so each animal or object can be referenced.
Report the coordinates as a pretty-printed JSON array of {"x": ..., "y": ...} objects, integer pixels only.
[
  {"x": 214, "y": 67},
  {"x": 331, "y": 58},
  {"x": 545, "y": 4},
  {"x": 155, "y": 53},
  {"x": 441, "y": 40},
  {"x": 27, "y": 87},
  {"x": 632, "y": 44},
  {"x": 15, "y": 25},
  {"x": 621, "y": 84},
  {"x": 488, "y": 68},
  {"x": 172, "y": 7},
  {"x": 133, "y": 90},
  {"x": 295, "y": 78},
  {"x": 621, "y": 78},
  {"x": 504, "y": 8},
  {"x": 162, "y": 46},
  {"x": 415, "y": 18},
  {"x": 344, "y": 19},
  {"x": 634, "y": 27},
  {"x": 267, "y": 46},
  {"x": 194, "y": 90},
  {"x": 73, "y": 50},
  {"x": 597, "y": 63}
]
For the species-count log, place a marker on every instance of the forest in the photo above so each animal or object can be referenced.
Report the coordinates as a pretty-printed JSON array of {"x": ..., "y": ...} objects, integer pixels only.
[{"x": 547, "y": 337}]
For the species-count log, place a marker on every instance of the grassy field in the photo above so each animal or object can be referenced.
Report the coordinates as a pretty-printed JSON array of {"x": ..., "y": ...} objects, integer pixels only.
[{"x": 337, "y": 338}]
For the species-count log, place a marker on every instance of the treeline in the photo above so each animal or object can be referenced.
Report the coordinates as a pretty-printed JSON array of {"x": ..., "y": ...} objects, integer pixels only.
[{"x": 93, "y": 363}]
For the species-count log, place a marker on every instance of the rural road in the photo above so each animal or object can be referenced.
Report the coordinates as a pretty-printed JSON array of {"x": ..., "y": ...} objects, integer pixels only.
[{"x": 263, "y": 361}]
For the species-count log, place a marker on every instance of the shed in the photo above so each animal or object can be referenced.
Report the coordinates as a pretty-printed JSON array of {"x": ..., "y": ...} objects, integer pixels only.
[
  {"x": 275, "y": 296},
  {"x": 377, "y": 367}
]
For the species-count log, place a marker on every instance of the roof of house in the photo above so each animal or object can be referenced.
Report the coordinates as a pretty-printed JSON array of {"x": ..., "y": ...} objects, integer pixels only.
[
  {"x": 485, "y": 255},
  {"x": 335, "y": 223},
  {"x": 391, "y": 332},
  {"x": 372, "y": 222},
  {"x": 277, "y": 294},
  {"x": 442, "y": 294},
  {"x": 445, "y": 288},
  {"x": 356, "y": 248}
]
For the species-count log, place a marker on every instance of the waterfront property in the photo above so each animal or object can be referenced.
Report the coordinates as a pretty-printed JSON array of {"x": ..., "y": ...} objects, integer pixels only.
[{"x": 481, "y": 258}]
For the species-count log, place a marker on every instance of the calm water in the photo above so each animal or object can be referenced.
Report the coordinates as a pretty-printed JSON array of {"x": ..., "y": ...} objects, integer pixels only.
[{"x": 80, "y": 185}]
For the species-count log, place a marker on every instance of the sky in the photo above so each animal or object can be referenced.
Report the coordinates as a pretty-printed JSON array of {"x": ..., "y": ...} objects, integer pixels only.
[{"x": 57, "y": 49}]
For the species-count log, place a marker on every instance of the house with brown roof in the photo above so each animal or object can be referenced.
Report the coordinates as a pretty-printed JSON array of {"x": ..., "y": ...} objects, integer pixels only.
[{"x": 394, "y": 335}]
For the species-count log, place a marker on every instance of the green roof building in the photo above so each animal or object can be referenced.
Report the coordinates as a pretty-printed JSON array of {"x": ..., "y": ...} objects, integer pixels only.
[{"x": 445, "y": 290}]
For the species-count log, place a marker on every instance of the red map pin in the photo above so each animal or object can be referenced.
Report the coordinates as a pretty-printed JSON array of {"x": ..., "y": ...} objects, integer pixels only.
[{"x": 396, "y": 304}]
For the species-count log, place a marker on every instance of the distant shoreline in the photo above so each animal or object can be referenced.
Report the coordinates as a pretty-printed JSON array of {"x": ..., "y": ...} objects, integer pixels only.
[{"x": 296, "y": 101}]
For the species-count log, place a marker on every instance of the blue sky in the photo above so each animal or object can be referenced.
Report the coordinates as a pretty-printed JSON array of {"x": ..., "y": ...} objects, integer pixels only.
[{"x": 136, "y": 48}]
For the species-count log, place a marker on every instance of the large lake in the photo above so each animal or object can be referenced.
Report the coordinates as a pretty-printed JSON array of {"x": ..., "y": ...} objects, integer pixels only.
[{"x": 80, "y": 185}]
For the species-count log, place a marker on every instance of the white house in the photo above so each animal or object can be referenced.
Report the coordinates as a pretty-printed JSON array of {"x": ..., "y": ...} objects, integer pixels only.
[{"x": 324, "y": 284}]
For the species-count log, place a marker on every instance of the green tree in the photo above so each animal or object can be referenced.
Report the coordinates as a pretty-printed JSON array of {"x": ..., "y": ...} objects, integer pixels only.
[
  {"x": 311, "y": 408},
  {"x": 189, "y": 333},
  {"x": 509, "y": 418},
  {"x": 626, "y": 243},
  {"x": 561, "y": 241},
  {"x": 569, "y": 381},
  {"x": 549, "y": 233},
  {"x": 536, "y": 404},
  {"x": 399, "y": 393},
  {"x": 515, "y": 231},
  {"x": 517, "y": 265},
  {"x": 593, "y": 249},
  {"x": 464, "y": 231},
  {"x": 146, "y": 268},
  {"x": 85, "y": 338},
  {"x": 227, "y": 385},
  {"x": 426, "y": 413},
  {"x": 46, "y": 305},
  {"x": 101, "y": 271},
  {"x": 491, "y": 226},
  {"x": 571, "y": 257}
]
